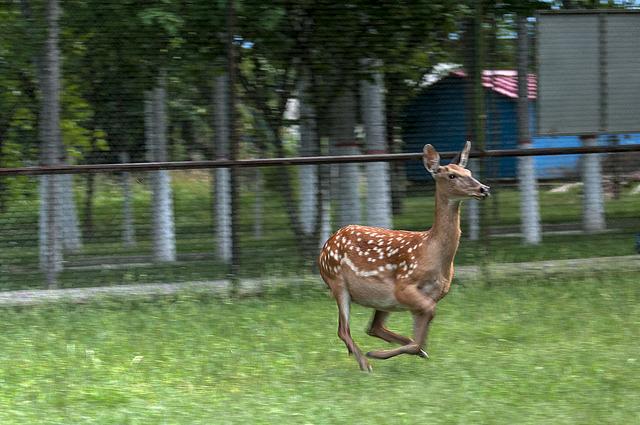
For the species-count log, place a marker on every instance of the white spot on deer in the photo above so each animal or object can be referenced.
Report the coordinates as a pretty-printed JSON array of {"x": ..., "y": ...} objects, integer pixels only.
[
  {"x": 357, "y": 271},
  {"x": 380, "y": 269},
  {"x": 410, "y": 249},
  {"x": 359, "y": 239},
  {"x": 370, "y": 241}
]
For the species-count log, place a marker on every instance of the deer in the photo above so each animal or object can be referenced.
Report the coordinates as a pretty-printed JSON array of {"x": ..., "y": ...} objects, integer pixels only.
[{"x": 399, "y": 270}]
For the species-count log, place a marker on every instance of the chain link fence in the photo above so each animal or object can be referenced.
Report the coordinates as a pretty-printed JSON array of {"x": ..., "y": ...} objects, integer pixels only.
[{"x": 177, "y": 142}]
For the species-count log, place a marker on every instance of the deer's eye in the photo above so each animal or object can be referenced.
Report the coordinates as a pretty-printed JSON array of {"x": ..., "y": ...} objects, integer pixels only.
[{"x": 452, "y": 176}]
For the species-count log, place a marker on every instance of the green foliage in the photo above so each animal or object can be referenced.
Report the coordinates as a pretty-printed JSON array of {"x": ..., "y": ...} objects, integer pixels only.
[{"x": 517, "y": 352}]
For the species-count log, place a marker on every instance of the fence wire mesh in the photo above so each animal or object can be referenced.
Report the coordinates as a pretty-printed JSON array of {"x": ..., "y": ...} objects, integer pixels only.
[
  {"x": 161, "y": 159},
  {"x": 112, "y": 230},
  {"x": 107, "y": 83}
]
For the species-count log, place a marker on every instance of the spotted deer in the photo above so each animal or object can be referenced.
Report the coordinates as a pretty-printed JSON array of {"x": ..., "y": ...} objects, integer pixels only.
[{"x": 397, "y": 270}]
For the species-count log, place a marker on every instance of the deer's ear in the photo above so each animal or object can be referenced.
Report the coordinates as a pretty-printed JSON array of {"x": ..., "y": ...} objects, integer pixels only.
[
  {"x": 464, "y": 155},
  {"x": 431, "y": 159}
]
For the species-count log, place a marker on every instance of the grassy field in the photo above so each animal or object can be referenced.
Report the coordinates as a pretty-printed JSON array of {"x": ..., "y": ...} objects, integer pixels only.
[{"x": 561, "y": 352}]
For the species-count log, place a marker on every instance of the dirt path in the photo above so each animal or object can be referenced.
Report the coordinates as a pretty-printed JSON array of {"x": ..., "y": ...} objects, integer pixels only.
[{"x": 222, "y": 287}]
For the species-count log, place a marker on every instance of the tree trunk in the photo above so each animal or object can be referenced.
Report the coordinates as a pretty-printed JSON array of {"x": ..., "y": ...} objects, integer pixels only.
[
  {"x": 325, "y": 204},
  {"x": 71, "y": 238},
  {"x": 343, "y": 142},
  {"x": 473, "y": 208},
  {"x": 4, "y": 127},
  {"x": 258, "y": 206},
  {"x": 128, "y": 227},
  {"x": 373, "y": 115},
  {"x": 50, "y": 233},
  {"x": 529, "y": 208},
  {"x": 51, "y": 143},
  {"x": 87, "y": 220},
  {"x": 398, "y": 175},
  {"x": 164, "y": 244},
  {"x": 222, "y": 192},
  {"x": 307, "y": 174},
  {"x": 592, "y": 200}
]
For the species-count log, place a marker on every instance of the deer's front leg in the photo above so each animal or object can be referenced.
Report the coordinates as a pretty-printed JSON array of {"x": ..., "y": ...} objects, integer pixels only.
[{"x": 423, "y": 309}]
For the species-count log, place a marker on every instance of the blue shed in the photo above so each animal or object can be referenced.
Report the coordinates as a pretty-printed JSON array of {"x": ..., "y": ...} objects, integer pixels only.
[{"x": 437, "y": 116}]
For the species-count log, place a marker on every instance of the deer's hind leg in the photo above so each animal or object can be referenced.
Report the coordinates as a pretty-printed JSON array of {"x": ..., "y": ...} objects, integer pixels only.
[
  {"x": 423, "y": 309},
  {"x": 344, "y": 304},
  {"x": 378, "y": 329}
]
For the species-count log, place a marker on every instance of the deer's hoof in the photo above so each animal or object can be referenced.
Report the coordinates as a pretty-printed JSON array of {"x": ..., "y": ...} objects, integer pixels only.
[
  {"x": 366, "y": 367},
  {"x": 423, "y": 354}
]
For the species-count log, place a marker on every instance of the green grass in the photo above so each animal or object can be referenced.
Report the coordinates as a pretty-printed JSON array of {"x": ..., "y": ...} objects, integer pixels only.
[{"x": 552, "y": 352}]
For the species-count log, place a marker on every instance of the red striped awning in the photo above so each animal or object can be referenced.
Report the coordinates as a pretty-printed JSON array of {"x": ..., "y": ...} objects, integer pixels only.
[{"x": 504, "y": 82}]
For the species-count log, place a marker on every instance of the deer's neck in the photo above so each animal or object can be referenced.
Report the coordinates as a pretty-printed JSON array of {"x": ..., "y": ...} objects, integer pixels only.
[{"x": 445, "y": 233}]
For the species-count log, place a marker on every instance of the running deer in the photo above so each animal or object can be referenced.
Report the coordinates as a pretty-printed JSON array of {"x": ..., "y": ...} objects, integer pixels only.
[{"x": 397, "y": 270}]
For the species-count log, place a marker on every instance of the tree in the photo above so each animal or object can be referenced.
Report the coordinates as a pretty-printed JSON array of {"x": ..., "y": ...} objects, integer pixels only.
[
  {"x": 162, "y": 37},
  {"x": 593, "y": 218},
  {"x": 50, "y": 223},
  {"x": 270, "y": 71},
  {"x": 164, "y": 245},
  {"x": 378, "y": 180},
  {"x": 307, "y": 174},
  {"x": 222, "y": 193},
  {"x": 529, "y": 208},
  {"x": 64, "y": 228},
  {"x": 128, "y": 228},
  {"x": 291, "y": 42},
  {"x": 343, "y": 142}
]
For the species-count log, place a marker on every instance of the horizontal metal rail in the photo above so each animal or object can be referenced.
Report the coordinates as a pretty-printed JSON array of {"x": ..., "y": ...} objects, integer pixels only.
[{"x": 308, "y": 160}]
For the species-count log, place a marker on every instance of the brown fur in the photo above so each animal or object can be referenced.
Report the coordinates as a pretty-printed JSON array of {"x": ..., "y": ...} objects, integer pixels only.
[{"x": 394, "y": 270}]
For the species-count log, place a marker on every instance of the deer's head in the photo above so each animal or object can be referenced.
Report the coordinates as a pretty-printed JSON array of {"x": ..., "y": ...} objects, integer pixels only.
[{"x": 454, "y": 179}]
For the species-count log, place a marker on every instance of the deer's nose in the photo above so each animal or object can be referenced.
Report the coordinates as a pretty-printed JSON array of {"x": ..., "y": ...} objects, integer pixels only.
[{"x": 485, "y": 190}]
